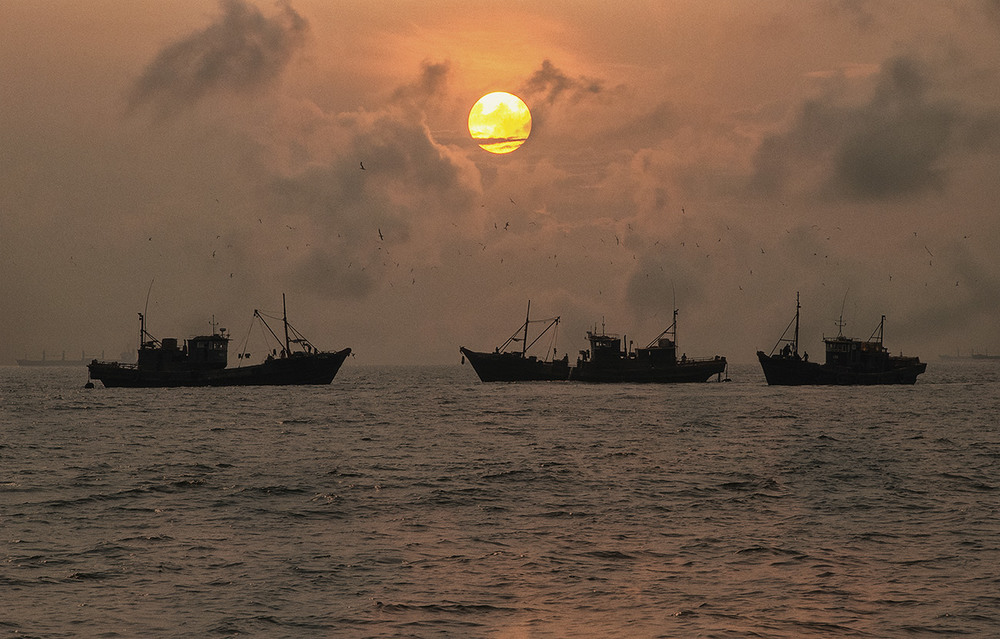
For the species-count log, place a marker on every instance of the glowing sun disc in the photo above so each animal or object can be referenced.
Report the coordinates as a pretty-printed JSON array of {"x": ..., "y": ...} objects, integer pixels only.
[{"x": 500, "y": 122}]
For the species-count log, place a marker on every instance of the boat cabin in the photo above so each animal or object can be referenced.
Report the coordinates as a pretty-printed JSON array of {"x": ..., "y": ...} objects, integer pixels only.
[
  {"x": 844, "y": 351},
  {"x": 607, "y": 349},
  {"x": 205, "y": 352},
  {"x": 664, "y": 353},
  {"x": 208, "y": 351},
  {"x": 604, "y": 348}
]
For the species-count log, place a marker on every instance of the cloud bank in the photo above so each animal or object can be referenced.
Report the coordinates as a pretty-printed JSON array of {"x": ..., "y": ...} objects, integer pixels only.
[{"x": 241, "y": 52}]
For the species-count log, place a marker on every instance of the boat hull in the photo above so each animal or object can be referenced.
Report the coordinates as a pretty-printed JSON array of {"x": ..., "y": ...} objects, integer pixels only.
[
  {"x": 514, "y": 367},
  {"x": 298, "y": 370},
  {"x": 790, "y": 371},
  {"x": 626, "y": 371}
]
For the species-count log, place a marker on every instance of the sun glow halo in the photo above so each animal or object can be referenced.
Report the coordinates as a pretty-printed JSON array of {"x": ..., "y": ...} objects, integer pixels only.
[{"x": 500, "y": 122}]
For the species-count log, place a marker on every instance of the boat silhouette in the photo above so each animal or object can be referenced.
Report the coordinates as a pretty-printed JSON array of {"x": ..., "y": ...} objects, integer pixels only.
[
  {"x": 202, "y": 361},
  {"x": 504, "y": 365},
  {"x": 605, "y": 361},
  {"x": 608, "y": 361},
  {"x": 849, "y": 361}
]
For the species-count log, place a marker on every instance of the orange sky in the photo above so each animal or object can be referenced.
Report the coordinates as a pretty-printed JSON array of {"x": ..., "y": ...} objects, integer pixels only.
[{"x": 726, "y": 153}]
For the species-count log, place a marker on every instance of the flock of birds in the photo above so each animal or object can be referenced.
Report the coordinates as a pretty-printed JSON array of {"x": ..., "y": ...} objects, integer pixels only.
[{"x": 621, "y": 241}]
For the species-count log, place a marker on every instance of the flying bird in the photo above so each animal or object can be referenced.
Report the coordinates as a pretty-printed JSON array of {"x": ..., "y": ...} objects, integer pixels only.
[
  {"x": 380, "y": 234},
  {"x": 363, "y": 166}
]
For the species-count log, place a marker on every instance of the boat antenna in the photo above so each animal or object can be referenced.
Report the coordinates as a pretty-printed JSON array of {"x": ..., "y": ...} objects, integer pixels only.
[
  {"x": 142, "y": 317},
  {"x": 841, "y": 323}
]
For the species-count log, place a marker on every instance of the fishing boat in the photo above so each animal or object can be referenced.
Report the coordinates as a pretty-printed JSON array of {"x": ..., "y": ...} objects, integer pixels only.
[
  {"x": 517, "y": 365},
  {"x": 203, "y": 360},
  {"x": 849, "y": 361},
  {"x": 607, "y": 361}
]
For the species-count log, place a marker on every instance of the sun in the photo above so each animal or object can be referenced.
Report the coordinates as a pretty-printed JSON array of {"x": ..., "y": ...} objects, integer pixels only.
[{"x": 500, "y": 122}]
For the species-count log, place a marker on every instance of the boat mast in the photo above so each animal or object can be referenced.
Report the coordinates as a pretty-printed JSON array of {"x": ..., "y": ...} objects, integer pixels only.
[
  {"x": 795, "y": 344},
  {"x": 524, "y": 343},
  {"x": 879, "y": 332},
  {"x": 284, "y": 319},
  {"x": 675, "y": 328},
  {"x": 670, "y": 330}
]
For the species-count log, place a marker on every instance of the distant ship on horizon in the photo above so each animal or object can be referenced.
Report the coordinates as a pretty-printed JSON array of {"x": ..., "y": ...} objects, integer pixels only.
[
  {"x": 54, "y": 362},
  {"x": 971, "y": 355}
]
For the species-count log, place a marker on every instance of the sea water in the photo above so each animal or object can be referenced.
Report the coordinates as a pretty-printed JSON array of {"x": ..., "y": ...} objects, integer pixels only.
[{"x": 420, "y": 502}]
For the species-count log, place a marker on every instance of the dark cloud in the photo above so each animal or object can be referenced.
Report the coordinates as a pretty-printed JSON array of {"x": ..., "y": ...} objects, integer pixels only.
[
  {"x": 240, "y": 52},
  {"x": 661, "y": 278},
  {"x": 644, "y": 129},
  {"x": 432, "y": 83},
  {"x": 982, "y": 132},
  {"x": 333, "y": 274},
  {"x": 549, "y": 84},
  {"x": 895, "y": 145},
  {"x": 361, "y": 227}
]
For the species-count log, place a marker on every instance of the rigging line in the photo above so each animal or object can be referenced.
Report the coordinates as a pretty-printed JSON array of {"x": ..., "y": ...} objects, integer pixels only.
[
  {"x": 246, "y": 342},
  {"x": 145, "y": 309},
  {"x": 143, "y": 333},
  {"x": 672, "y": 327},
  {"x": 783, "y": 338},
  {"x": 258, "y": 315},
  {"x": 299, "y": 336},
  {"x": 555, "y": 322}
]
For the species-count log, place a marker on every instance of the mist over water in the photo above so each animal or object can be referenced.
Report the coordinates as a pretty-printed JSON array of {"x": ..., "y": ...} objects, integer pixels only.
[{"x": 419, "y": 502}]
